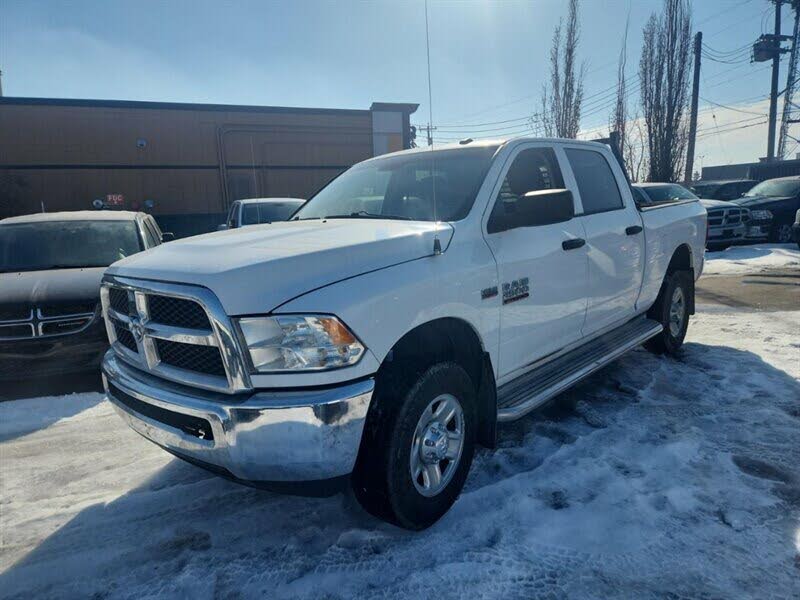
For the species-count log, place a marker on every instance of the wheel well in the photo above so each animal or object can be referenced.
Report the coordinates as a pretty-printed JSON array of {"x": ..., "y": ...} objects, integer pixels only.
[
  {"x": 682, "y": 261},
  {"x": 446, "y": 339}
]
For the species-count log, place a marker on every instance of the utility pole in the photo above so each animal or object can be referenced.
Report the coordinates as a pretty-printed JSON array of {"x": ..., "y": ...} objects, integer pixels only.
[
  {"x": 773, "y": 94},
  {"x": 698, "y": 46},
  {"x": 430, "y": 129},
  {"x": 791, "y": 83}
]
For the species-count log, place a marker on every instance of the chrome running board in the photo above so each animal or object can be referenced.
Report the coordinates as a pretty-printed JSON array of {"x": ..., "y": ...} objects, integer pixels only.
[{"x": 529, "y": 391}]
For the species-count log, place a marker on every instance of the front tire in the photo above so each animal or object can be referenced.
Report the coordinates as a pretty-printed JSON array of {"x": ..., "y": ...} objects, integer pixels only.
[
  {"x": 781, "y": 233},
  {"x": 417, "y": 449},
  {"x": 672, "y": 311}
]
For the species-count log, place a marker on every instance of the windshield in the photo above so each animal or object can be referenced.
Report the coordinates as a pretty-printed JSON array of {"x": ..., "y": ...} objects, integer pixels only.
[
  {"x": 775, "y": 187},
  {"x": 267, "y": 212},
  {"x": 707, "y": 189},
  {"x": 66, "y": 244},
  {"x": 667, "y": 193},
  {"x": 402, "y": 187}
]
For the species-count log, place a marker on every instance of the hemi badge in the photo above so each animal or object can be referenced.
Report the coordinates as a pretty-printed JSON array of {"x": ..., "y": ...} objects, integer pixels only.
[{"x": 489, "y": 292}]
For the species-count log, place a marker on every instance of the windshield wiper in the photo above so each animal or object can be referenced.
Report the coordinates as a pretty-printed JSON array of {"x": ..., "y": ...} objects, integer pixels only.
[{"x": 368, "y": 215}]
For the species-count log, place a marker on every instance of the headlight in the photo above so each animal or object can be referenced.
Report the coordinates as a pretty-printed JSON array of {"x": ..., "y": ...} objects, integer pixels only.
[
  {"x": 760, "y": 215},
  {"x": 299, "y": 343}
]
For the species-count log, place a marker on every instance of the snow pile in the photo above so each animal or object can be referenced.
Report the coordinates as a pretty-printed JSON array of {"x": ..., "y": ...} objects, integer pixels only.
[
  {"x": 741, "y": 260},
  {"x": 656, "y": 477}
]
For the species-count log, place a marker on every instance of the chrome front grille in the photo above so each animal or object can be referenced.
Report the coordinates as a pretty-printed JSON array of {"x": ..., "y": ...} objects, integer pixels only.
[
  {"x": 47, "y": 320},
  {"x": 724, "y": 217},
  {"x": 175, "y": 331}
]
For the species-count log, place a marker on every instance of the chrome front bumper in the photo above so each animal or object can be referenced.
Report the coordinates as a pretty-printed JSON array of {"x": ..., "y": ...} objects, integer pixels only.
[
  {"x": 734, "y": 233},
  {"x": 263, "y": 436}
]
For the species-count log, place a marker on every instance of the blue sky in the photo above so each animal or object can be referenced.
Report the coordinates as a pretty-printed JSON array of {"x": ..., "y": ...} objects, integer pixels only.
[{"x": 488, "y": 59}]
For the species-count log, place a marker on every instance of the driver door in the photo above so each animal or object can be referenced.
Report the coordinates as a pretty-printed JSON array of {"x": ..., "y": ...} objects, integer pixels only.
[{"x": 543, "y": 281}]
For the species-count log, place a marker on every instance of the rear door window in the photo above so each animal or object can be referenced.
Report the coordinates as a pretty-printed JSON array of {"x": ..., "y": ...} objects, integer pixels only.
[{"x": 596, "y": 182}]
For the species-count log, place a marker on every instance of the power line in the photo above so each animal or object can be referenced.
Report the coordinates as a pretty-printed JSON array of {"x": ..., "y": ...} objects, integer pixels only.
[{"x": 747, "y": 112}]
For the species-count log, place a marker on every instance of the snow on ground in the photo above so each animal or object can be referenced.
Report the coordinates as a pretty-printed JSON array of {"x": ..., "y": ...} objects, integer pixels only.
[
  {"x": 656, "y": 477},
  {"x": 741, "y": 260}
]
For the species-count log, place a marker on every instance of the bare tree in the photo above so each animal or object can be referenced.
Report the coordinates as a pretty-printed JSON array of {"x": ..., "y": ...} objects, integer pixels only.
[
  {"x": 664, "y": 78},
  {"x": 619, "y": 116},
  {"x": 561, "y": 104}
]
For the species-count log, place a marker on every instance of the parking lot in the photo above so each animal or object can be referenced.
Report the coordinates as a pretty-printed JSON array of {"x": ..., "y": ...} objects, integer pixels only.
[{"x": 654, "y": 476}]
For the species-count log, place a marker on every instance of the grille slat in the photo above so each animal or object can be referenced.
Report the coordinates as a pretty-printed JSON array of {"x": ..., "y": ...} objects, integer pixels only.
[
  {"x": 23, "y": 330},
  {"x": 177, "y": 312},
  {"x": 125, "y": 337},
  {"x": 75, "y": 308},
  {"x": 15, "y": 313},
  {"x": 118, "y": 299},
  {"x": 203, "y": 359}
]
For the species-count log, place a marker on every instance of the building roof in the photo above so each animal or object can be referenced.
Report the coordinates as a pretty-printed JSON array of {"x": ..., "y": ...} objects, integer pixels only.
[
  {"x": 73, "y": 215},
  {"x": 376, "y": 106}
]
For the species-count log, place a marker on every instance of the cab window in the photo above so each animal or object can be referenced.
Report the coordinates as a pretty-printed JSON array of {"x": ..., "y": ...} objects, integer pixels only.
[
  {"x": 532, "y": 170},
  {"x": 596, "y": 182}
]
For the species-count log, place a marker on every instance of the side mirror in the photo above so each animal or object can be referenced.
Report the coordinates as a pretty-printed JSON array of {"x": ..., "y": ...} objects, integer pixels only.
[
  {"x": 167, "y": 236},
  {"x": 222, "y": 227},
  {"x": 546, "y": 207}
]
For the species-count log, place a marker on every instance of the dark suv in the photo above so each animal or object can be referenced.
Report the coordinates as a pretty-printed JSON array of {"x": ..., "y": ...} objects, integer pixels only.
[
  {"x": 723, "y": 190},
  {"x": 50, "y": 270}
]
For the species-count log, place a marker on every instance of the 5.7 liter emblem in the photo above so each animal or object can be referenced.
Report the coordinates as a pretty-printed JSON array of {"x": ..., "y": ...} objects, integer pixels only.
[{"x": 516, "y": 290}]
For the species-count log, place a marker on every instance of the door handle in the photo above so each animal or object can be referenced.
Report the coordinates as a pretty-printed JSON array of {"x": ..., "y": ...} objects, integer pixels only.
[
  {"x": 573, "y": 244},
  {"x": 633, "y": 230}
]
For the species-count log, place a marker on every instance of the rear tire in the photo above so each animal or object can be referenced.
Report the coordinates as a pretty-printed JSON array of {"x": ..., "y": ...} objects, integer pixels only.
[
  {"x": 672, "y": 311},
  {"x": 429, "y": 431}
]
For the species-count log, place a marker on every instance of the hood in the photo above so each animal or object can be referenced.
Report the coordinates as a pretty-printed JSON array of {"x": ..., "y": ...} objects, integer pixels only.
[
  {"x": 55, "y": 286},
  {"x": 761, "y": 201},
  {"x": 255, "y": 269},
  {"x": 708, "y": 203}
]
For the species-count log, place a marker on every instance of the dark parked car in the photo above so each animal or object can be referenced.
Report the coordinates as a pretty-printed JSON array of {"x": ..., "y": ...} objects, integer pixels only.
[
  {"x": 775, "y": 199},
  {"x": 723, "y": 190},
  {"x": 50, "y": 270}
]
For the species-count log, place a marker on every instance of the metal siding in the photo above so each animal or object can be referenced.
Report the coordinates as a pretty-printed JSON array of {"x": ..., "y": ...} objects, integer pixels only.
[{"x": 68, "y": 155}]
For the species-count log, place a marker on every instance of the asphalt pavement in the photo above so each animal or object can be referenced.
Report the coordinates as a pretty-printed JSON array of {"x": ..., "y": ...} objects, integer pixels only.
[{"x": 769, "y": 291}]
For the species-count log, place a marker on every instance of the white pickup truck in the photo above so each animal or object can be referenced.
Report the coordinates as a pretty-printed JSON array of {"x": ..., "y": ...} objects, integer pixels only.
[{"x": 411, "y": 305}]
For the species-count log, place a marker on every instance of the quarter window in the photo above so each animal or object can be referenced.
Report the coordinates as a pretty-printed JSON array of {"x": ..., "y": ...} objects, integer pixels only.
[
  {"x": 532, "y": 170},
  {"x": 596, "y": 182}
]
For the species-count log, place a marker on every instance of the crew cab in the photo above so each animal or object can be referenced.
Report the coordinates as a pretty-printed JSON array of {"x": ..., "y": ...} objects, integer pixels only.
[
  {"x": 414, "y": 303},
  {"x": 50, "y": 270}
]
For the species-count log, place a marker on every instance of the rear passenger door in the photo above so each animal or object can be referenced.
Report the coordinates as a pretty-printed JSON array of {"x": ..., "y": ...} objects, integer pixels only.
[
  {"x": 614, "y": 238},
  {"x": 543, "y": 283}
]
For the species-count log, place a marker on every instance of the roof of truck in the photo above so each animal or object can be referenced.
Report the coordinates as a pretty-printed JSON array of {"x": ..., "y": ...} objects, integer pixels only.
[
  {"x": 73, "y": 215},
  {"x": 470, "y": 143}
]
